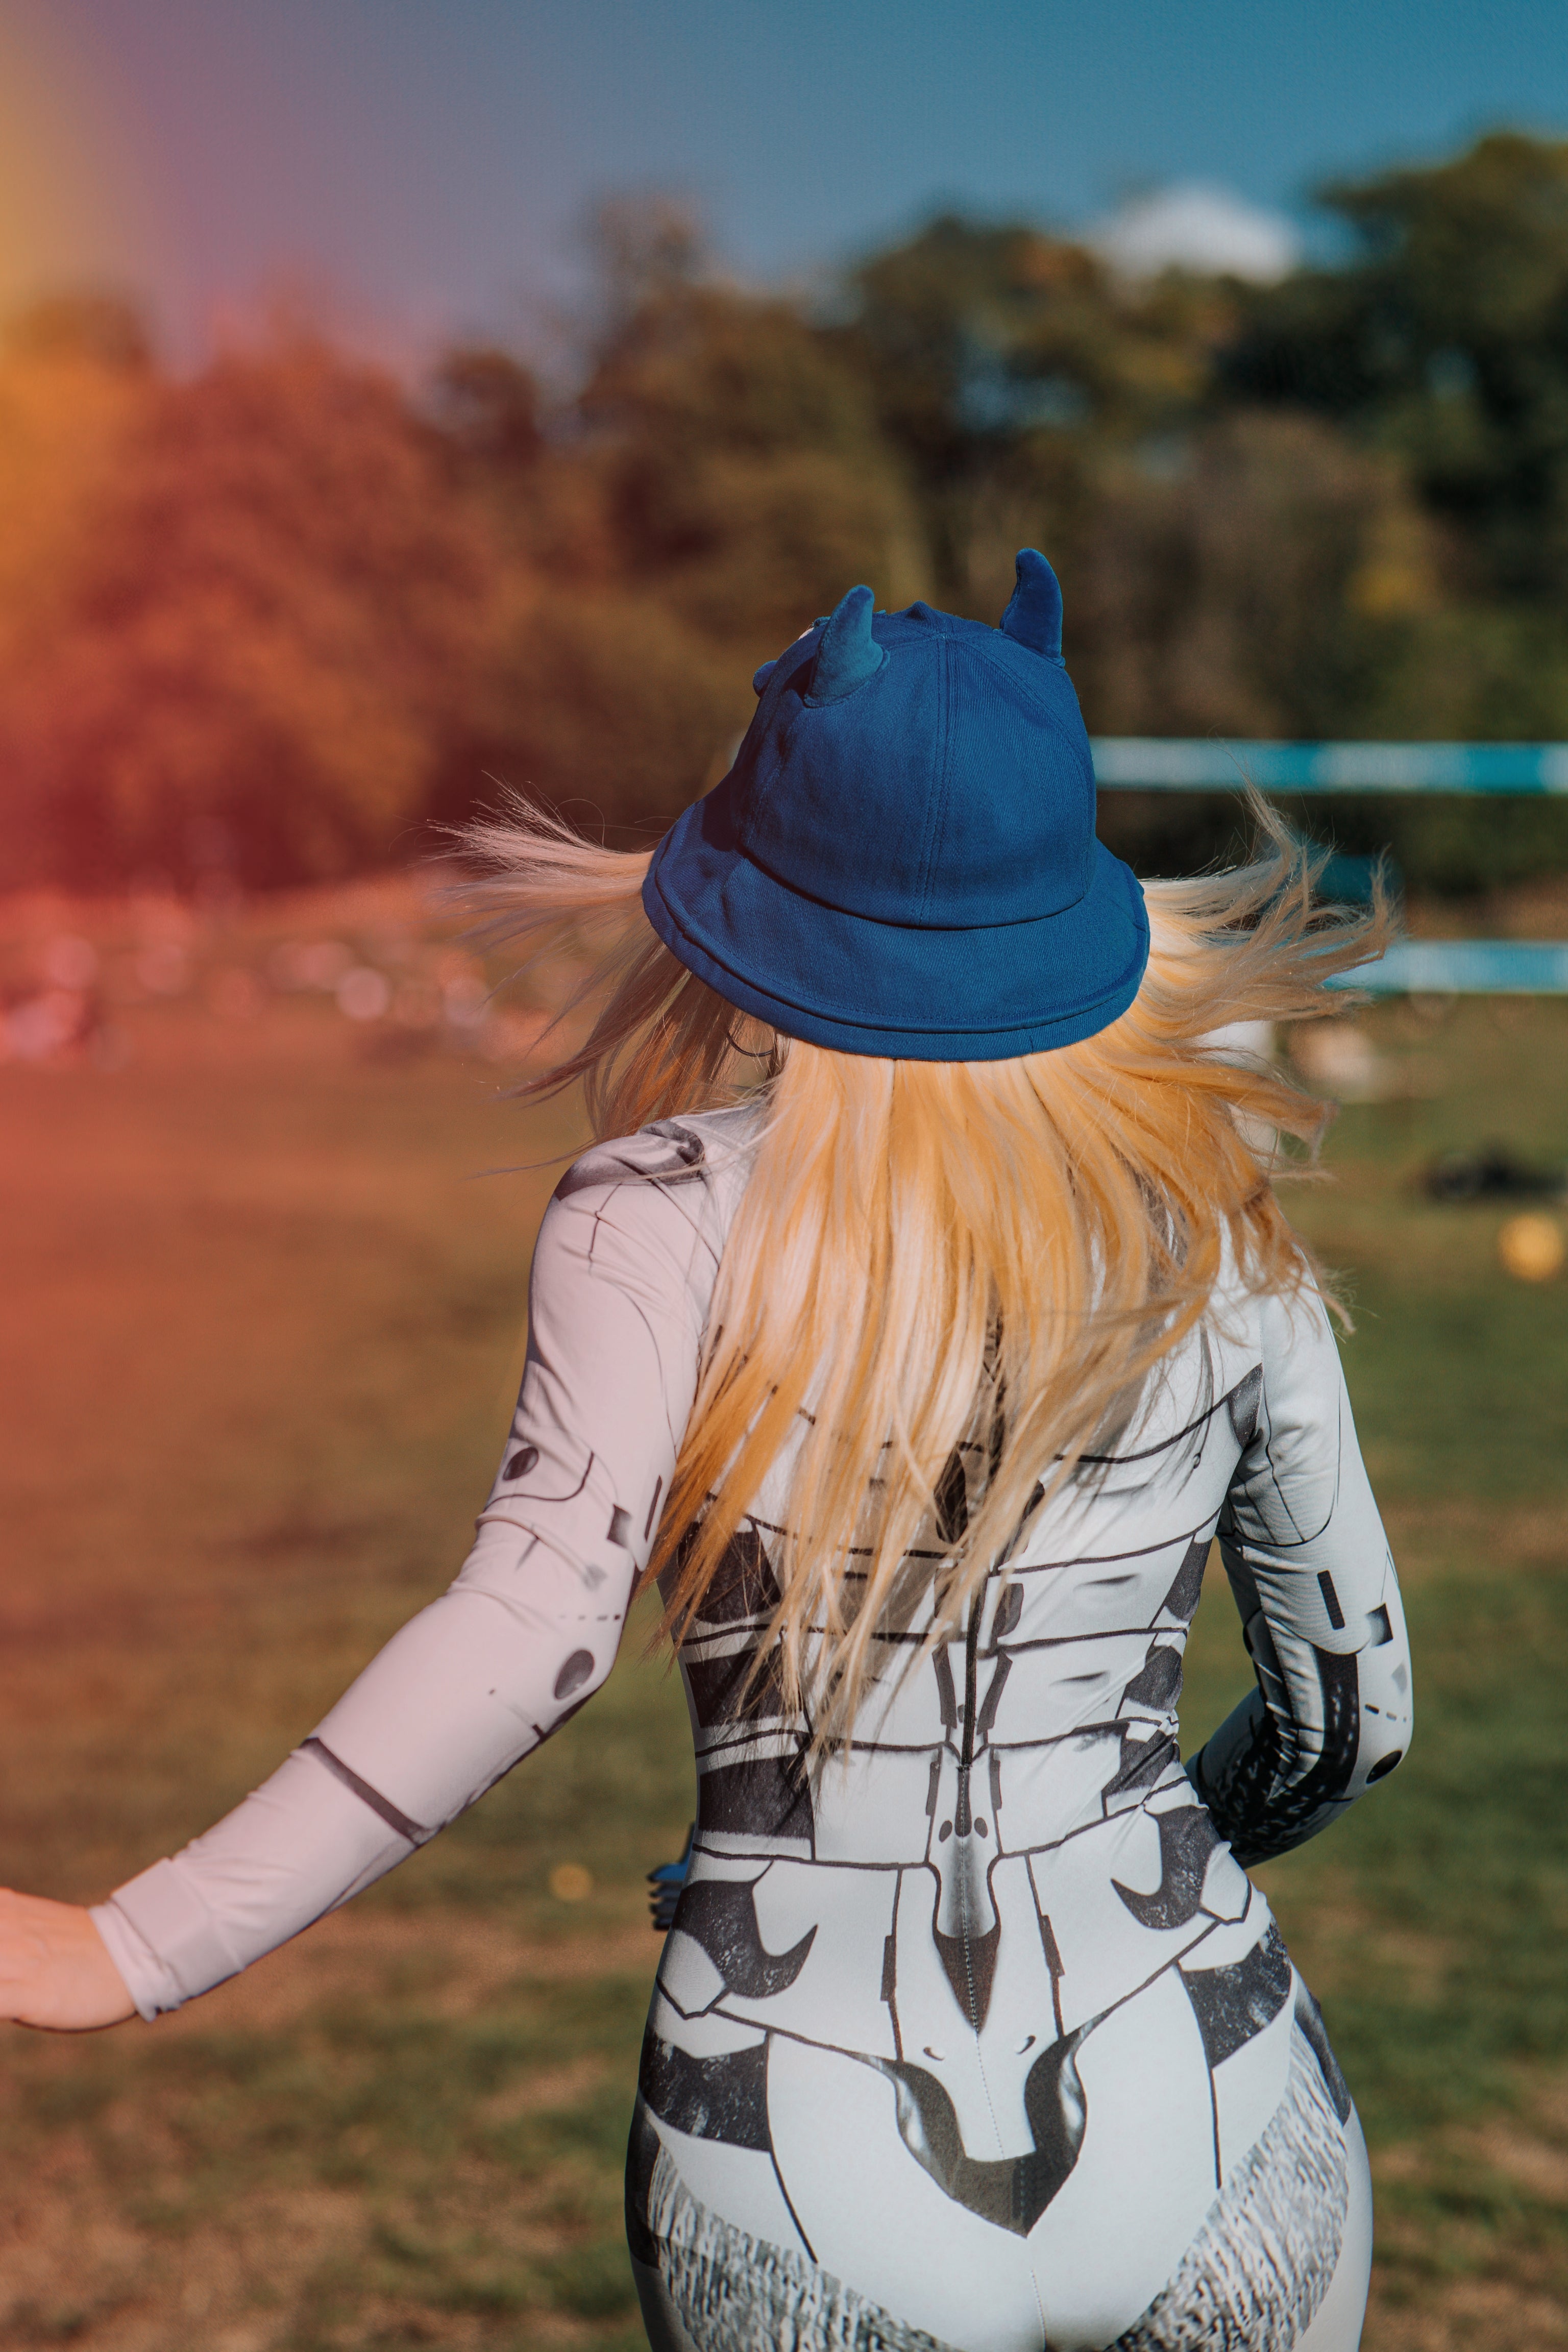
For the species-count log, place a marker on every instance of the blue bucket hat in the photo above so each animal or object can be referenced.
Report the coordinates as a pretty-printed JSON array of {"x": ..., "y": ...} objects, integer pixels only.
[{"x": 902, "y": 859}]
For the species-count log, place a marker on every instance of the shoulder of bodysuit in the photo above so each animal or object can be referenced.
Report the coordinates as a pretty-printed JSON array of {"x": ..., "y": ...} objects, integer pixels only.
[
  {"x": 705, "y": 1148},
  {"x": 1267, "y": 1337}
]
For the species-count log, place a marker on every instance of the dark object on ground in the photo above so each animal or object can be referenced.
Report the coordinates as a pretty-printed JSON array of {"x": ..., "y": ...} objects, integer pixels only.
[
  {"x": 665, "y": 1881},
  {"x": 1493, "y": 1173}
]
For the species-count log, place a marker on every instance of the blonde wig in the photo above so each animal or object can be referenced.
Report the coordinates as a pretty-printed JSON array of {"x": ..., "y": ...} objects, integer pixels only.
[{"x": 932, "y": 1254}]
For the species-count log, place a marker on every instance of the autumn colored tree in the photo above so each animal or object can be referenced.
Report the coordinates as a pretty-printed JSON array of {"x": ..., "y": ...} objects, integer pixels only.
[
  {"x": 593, "y": 692},
  {"x": 748, "y": 473},
  {"x": 75, "y": 387},
  {"x": 280, "y": 614},
  {"x": 716, "y": 484},
  {"x": 263, "y": 648}
]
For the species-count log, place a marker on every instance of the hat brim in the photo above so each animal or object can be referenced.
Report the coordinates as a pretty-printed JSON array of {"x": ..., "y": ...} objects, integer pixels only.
[{"x": 862, "y": 986}]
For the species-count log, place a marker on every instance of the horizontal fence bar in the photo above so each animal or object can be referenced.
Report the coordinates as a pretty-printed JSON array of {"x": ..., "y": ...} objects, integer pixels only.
[
  {"x": 1465, "y": 968},
  {"x": 1184, "y": 764},
  {"x": 1161, "y": 764}
]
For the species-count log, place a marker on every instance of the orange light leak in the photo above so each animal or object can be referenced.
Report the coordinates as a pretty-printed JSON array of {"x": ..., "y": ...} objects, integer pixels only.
[{"x": 77, "y": 207}]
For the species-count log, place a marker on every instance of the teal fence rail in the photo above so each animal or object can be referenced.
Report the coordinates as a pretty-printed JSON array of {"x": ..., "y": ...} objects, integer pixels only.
[
  {"x": 1467, "y": 968},
  {"x": 1153, "y": 763},
  {"x": 1411, "y": 967}
]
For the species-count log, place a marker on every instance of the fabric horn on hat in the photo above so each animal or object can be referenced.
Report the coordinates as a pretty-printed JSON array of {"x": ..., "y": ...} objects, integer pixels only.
[
  {"x": 1034, "y": 614},
  {"x": 848, "y": 653}
]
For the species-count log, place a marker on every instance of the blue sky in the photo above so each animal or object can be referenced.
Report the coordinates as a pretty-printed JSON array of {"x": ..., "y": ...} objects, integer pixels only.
[{"x": 426, "y": 162}]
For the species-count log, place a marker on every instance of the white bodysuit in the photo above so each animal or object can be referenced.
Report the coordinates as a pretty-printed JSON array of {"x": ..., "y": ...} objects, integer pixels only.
[{"x": 978, "y": 2037}]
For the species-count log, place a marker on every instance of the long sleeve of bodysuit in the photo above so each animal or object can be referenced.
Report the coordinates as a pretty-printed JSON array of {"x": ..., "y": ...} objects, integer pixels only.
[
  {"x": 1308, "y": 1561},
  {"x": 621, "y": 1277}
]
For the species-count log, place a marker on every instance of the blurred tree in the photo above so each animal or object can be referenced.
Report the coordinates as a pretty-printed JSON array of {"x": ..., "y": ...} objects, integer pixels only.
[
  {"x": 1233, "y": 563},
  {"x": 275, "y": 615},
  {"x": 718, "y": 483},
  {"x": 750, "y": 485},
  {"x": 544, "y": 493},
  {"x": 282, "y": 609},
  {"x": 1011, "y": 370},
  {"x": 601, "y": 702},
  {"x": 644, "y": 247},
  {"x": 1270, "y": 587},
  {"x": 485, "y": 403},
  {"x": 1444, "y": 343},
  {"x": 1445, "y": 340},
  {"x": 101, "y": 331},
  {"x": 75, "y": 387}
]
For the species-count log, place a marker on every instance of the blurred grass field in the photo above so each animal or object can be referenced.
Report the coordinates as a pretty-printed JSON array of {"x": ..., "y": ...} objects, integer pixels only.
[{"x": 263, "y": 1322}]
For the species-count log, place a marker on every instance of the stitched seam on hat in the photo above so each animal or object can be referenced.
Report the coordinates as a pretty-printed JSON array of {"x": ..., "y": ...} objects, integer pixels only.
[
  {"x": 888, "y": 922},
  {"x": 753, "y": 794},
  {"x": 936, "y": 807},
  {"x": 1037, "y": 702},
  {"x": 1036, "y": 1024}
]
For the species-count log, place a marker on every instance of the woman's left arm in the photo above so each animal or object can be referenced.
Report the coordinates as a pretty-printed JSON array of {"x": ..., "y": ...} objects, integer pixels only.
[{"x": 525, "y": 1635}]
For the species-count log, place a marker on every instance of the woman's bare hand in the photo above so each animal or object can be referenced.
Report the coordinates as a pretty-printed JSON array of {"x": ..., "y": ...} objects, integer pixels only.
[{"x": 55, "y": 1968}]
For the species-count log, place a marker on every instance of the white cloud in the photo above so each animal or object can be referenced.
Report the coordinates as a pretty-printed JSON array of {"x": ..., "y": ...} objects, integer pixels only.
[{"x": 1199, "y": 228}]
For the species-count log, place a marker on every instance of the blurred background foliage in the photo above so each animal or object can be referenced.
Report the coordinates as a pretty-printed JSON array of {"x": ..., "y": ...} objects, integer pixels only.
[{"x": 267, "y": 620}]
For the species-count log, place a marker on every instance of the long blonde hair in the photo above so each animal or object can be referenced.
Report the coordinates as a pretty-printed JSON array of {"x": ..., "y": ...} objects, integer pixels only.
[{"x": 931, "y": 1256}]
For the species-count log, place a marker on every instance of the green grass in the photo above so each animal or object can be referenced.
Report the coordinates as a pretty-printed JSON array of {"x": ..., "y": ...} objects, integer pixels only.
[{"x": 264, "y": 1324}]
